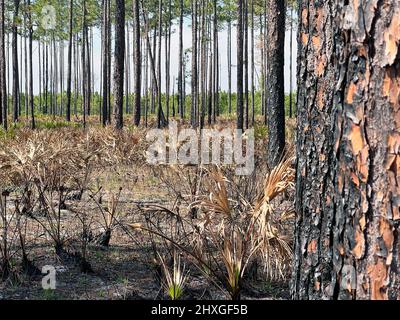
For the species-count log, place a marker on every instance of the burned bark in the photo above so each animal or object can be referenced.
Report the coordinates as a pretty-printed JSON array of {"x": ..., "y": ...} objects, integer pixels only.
[
  {"x": 138, "y": 64},
  {"x": 275, "y": 80},
  {"x": 346, "y": 243},
  {"x": 119, "y": 63}
]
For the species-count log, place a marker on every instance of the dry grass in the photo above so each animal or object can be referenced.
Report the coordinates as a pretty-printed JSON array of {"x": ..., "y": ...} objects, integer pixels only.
[{"x": 220, "y": 222}]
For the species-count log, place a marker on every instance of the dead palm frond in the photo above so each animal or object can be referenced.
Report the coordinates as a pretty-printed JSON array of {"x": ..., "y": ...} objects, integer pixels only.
[
  {"x": 217, "y": 201},
  {"x": 274, "y": 247}
]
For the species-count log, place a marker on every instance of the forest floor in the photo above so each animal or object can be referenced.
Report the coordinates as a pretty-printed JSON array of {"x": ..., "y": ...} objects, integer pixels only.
[{"x": 127, "y": 268}]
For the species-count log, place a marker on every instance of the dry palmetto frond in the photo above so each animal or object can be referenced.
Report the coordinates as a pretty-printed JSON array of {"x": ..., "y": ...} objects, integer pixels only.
[
  {"x": 274, "y": 247},
  {"x": 217, "y": 201}
]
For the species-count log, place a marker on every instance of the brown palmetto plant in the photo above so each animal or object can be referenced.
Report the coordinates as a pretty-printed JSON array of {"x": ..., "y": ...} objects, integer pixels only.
[
  {"x": 230, "y": 231},
  {"x": 274, "y": 246}
]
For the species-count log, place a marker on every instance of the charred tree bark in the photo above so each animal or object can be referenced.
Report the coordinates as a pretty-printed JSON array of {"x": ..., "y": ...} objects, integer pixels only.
[
  {"x": 119, "y": 63},
  {"x": 180, "y": 75},
  {"x": 194, "y": 80},
  {"x": 229, "y": 65},
  {"x": 69, "y": 76},
  {"x": 275, "y": 80},
  {"x": 138, "y": 63},
  {"x": 15, "y": 91},
  {"x": 3, "y": 87},
  {"x": 347, "y": 225},
  {"x": 239, "y": 79},
  {"x": 105, "y": 63},
  {"x": 31, "y": 97}
]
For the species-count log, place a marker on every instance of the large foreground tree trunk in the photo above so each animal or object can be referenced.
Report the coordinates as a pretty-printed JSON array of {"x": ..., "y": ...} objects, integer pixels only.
[{"x": 348, "y": 166}]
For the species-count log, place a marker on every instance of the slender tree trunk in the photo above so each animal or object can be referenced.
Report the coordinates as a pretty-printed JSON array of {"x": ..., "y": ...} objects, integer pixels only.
[
  {"x": 83, "y": 58},
  {"x": 119, "y": 61},
  {"x": 246, "y": 62},
  {"x": 26, "y": 67},
  {"x": 159, "y": 97},
  {"x": 127, "y": 69},
  {"x": 275, "y": 75},
  {"x": 31, "y": 97},
  {"x": 262, "y": 52},
  {"x": 215, "y": 71},
  {"x": 161, "y": 118},
  {"x": 291, "y": 65},
  {"x": 229, "y": 66},
  {"x": 105, "y": 63},
  {"x": 46, "y": 78},
  {"x": 137, "y": 63},
  {"x": 203, "y": 65},
  {"x": 193, "y": 109},
  {"x": 347, "y": 226},
  {"x": 180, "y": 63},
  {"x": 252, "y": 66},
  {"x": 109, "y": 37},
  {"x": 61, "y": 111},
  {"x": 146, "y": 80},
  {"x": 76, "y": 80},
  {"x": 16, "y": 100},
  {"x": 168, "y": 59},
  {"x": 239, "y": 103},
  {"x": 69, "y": 77},
  {"x": 210, "y": 89},
  {"x": 153, "y": 79},
  {"x": 3, "y": 79},
  {"x": 89, "y": 70},
  {"x": 40, "y": 108}
]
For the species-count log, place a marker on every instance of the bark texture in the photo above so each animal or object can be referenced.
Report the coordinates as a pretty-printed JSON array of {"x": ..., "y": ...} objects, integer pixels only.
[
  {"x": 3, "y": 88},
  {"x": 119, "y": 63},
  {"x": 239, "y": 77},
  {"x": 275, "y": 80},
  {"x": 138, "y": 63},
  {"x": 348, "y": 167}
]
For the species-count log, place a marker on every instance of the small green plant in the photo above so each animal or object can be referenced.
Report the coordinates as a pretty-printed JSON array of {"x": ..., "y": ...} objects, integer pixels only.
[
  {"x": 175, "y": 279},
  {"x": 49, "y": 294}
]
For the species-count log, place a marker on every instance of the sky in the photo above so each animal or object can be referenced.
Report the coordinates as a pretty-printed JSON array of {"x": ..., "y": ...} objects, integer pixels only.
[{"x": 187, "y": 39}]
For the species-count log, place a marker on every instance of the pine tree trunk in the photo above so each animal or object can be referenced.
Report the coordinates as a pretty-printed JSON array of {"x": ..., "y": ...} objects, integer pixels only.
[
  {"x": 239, "y": 104},
  {"x": 3, "y": 85},
  {"x": 193, "y": 108},
  {"x": 137, "y": 63},
  {"x": 291, "y": 65},
  {"x": 31, "y": 98},
  {"x": 119, "y": 63},
  {"x": 246, "y": 62},
  {"x": 180, "y": 73},
  {"x": 229, "y": 66},
  {"x": 347, "y": 225},
  {"x": 275, "y": 80},
  {"x": 252, "y": 66},
  {"x": 159, "y": 92},
  {"x": 104, "y": 54},
  {"x": 16, "y": 100},
  {"x": 69, "y": 76}
]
